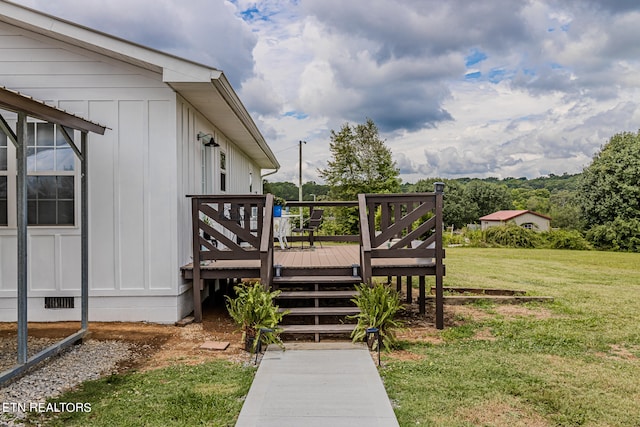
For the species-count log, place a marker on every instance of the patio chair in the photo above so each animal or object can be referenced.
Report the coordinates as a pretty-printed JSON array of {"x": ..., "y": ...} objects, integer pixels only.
[{"x": 310, "y": 226}]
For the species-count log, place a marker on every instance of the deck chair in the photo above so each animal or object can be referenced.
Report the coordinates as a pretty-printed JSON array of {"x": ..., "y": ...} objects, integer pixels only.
[{"x": 311, "y": 225}]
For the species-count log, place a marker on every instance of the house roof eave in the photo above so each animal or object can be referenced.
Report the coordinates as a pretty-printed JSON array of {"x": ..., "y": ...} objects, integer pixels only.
[{"x": 217, "y": 102}]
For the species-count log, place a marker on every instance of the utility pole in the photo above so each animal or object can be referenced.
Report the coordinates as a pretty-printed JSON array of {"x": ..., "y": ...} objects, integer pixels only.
[{"x": 300, "y": 181}]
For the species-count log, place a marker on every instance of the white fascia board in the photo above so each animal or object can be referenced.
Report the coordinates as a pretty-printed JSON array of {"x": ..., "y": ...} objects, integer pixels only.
[{"x": 189, "y": 74}]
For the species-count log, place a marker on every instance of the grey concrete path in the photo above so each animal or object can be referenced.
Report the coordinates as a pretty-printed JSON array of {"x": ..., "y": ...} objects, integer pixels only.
[{"x": 317, "y": 384}]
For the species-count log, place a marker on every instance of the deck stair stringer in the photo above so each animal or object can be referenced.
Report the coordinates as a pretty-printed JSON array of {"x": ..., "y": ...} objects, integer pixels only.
[{"x": 319, "y": 301}]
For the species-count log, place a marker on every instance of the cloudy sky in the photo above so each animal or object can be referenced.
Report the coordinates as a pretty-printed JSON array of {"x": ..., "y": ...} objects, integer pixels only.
[{"x": 458, "y": 88}]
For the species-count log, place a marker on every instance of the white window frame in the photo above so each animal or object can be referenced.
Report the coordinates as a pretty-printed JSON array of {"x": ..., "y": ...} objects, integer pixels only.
[
  {"x": 11, "y": 174},
  {"x": 223, "y": 163}
]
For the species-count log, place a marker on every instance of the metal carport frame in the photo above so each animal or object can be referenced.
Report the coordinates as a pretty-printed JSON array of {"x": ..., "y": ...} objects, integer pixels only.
[{"x": 26, "y": 106}]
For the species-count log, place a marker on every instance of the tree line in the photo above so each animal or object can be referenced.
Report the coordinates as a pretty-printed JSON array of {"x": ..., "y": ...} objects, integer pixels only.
[{"x": 602, "y": 203}]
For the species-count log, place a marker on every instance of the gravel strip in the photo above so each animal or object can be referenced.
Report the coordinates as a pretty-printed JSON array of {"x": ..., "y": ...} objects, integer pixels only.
[
  {"x": 88, "y": 361},
  {"x": 9, "y": 349}
]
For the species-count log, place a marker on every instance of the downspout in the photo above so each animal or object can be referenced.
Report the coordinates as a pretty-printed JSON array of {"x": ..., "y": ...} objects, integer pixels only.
[{"x": 270, "y": 173}]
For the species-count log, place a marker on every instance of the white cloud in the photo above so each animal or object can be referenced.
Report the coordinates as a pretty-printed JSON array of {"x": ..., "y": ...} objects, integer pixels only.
[{"x": 554, "y": 80}]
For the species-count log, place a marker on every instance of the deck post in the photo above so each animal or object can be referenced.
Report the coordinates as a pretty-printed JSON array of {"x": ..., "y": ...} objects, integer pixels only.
[
  {"x": 195, "y": 221},
  {"x": 422, "y": 296},
  {"x": 84, "y": 234},
  {"x": 439, "y": 191},
  {"x": 22, "y": 238}
]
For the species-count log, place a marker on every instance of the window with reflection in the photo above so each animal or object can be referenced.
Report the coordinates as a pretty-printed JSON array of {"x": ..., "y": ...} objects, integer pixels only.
[{"x": 51, "y": 180}]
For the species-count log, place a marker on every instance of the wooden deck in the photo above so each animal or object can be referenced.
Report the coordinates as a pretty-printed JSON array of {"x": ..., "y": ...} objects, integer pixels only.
[
  {"x": 326, "y": 257},
  {"x": 399, "y": 235}
]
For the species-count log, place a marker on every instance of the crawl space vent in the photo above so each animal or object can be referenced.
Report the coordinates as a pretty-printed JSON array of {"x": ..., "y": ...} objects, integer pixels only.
[{"x": 58, "y": 302}]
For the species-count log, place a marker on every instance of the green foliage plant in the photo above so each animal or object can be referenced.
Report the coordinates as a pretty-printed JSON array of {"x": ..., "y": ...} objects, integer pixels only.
[
  {"x": 360, "y": 163},
  {"x": 511, "y": 236},
  {"x": 378, "y": 306},
  {"x": 617, "y": 235},
  {"x": 253, "y": 309},
  {"x": 610, "y": 187},
  {"x": 566, "y": 239}
]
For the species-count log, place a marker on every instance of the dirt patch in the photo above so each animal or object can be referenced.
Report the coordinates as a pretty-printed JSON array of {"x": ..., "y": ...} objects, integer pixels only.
[
  {"x": 621, "y": 352},
  {"x": 512, "y": 311},
  {"x": 156, "y": 345},
  {"x": 402, "y": 355},
  {"x": 159, "y": 346},
  {"x": 503, "y": 414}
]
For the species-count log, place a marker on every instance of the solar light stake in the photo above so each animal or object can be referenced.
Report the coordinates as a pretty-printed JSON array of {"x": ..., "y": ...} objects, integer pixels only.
[
  {"x": 259, "y": 338},
  {"x": 376, "y": 333}
]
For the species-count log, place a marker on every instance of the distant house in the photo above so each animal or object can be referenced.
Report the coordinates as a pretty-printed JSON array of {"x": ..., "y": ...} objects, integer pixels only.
[
  {"x": 174, "y": 128},
  {"x": 523, "y": 218}
]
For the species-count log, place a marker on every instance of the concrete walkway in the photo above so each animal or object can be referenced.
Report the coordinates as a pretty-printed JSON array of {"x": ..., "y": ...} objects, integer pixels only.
[{"x": 317, "y": 384}]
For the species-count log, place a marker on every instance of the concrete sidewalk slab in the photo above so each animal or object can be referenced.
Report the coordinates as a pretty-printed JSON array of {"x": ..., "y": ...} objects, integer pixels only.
[{"x": 317, "y": 384}]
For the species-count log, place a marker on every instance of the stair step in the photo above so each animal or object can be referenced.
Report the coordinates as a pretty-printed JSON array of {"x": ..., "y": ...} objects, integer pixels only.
[
  {"x": 318, "y": 329},
  {"x": 321, "y": 311},
  {"x": 317, "y": 279},
  {"x": 317, "y": 294}
]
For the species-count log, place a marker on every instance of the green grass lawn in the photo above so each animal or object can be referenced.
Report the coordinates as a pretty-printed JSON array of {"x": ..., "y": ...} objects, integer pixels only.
[
  {"x": 579, "y": 364},
  {"x": 210, "y": 394}
]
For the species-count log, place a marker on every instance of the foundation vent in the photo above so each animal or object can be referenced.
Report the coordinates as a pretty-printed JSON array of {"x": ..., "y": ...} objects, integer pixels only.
[{"x": 58, "y": 302}]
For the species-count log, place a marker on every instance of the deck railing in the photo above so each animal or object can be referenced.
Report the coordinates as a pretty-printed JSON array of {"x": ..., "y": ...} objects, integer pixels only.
[
  {"x": 321, "y": 235},
  {"x": 231, "y": 227},
  {"x": 406, "y": 227}
]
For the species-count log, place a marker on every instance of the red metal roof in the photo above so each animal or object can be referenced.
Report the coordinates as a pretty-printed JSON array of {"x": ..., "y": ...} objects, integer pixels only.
[{"x": 507, "y": 215}]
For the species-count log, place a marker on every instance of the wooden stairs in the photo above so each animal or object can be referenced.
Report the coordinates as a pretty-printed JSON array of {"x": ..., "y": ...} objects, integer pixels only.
[{"x": 318, "y": 303}]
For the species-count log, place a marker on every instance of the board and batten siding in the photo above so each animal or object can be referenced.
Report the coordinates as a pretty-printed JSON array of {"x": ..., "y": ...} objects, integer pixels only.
[
  {"x": 242, "y": 172},
  {"x": 133, "y": 186}
]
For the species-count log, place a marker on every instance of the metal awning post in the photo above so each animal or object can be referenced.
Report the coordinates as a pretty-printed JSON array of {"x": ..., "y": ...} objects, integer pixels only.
[
  {"x": 21, "y": 157},
  {"x": 84, "y": 233}
]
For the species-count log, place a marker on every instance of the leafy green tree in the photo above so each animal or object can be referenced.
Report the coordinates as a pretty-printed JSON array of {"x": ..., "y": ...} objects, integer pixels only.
[
  {"x": 486, "y": 197},
  {"x": 286, "y": 190},
  {"x": 532, "y": 200},
  {"x": 565, "y": 210},
  {"x": 456, "y": 209},
  {"x": 360, "y": 163},
  {"x": 610, "y": 194},
  {"x": 610, "y": 186},
  {"x": 311, "y": 188}
]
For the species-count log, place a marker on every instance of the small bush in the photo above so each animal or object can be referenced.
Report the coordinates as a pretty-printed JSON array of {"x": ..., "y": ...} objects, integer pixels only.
[
  {"x": 253, "y": 309},
  {"x": 617, "y": 235},
  {"x": 511, "y": 236},
  {"x": 566, "y": 239},
  {"x": 378, "y": 305}
]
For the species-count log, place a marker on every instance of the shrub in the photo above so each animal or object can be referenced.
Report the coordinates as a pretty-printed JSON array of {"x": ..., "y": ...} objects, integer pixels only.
[
  {"x": 253, "y": 309},
  {"x": 378, "y": 305},
  {"x": 566, "y": 239},
  {"x": 512, "y": 236},
  {"x": 617, "y": 235}
]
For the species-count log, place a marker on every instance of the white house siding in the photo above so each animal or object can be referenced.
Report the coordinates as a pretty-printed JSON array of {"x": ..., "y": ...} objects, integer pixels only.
[
  {"x": 133, "y": 194},
  {"x": 239, "y": 165},
  {"x": 540, "y": 223}
]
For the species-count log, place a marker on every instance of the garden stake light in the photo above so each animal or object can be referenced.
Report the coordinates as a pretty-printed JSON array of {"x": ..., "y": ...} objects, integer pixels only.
[{"x": 376, "y": 334}]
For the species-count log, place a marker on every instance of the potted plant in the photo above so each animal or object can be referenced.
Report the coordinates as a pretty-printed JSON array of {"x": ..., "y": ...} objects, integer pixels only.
[
  {"x": 378, "y": 305},
  {"x": 254, "y": 311}
]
